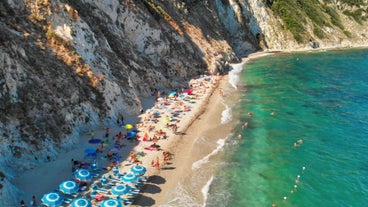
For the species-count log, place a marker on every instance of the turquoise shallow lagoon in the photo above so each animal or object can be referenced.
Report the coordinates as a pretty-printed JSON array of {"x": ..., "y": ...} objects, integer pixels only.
[{"x": 306, "y": 142}]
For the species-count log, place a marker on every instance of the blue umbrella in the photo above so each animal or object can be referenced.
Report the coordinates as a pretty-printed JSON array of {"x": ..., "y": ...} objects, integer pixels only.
[
  {"x": 90, "y": 150},
  {"x": 69, "y": 187},
  {"x": 83, "y": 175},
  {"x": 129, "y": 178},
  {"x": 52, "y": 199},
  {"x": 111, "y": 203},
  {"x": 138, "y": 170},
  {"x": 95, "y": 141},
  {"x": 120, "y": 190},
  {"x": 81, "y": 202},
  {"x": 131, "y": 134}
]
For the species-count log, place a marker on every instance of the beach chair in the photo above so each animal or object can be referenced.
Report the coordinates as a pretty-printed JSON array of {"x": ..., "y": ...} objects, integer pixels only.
[
  {"x": 125, "y": 200},
  {"x": 142, "y": 179},
  {"x": 132, "y": 193},
  {"x": 110, "y": 177},
  {"x": 105, "y": 183},
  {"x": 68, "y": 200},
  {"x": 135, "y": 189},
  {"x": 139, "y": 184},
  {"x": 93, "y": 194},
  {"x": 100, "y": 190},
  {"x": 95, "y": 175}
]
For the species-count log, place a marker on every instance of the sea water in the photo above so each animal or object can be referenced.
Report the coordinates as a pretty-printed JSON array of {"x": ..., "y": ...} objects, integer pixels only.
[{"x": 306, "y": 141}]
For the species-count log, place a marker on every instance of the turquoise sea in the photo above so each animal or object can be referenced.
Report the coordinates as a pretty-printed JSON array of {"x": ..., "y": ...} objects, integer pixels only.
[{"x": 306, "y": 142}]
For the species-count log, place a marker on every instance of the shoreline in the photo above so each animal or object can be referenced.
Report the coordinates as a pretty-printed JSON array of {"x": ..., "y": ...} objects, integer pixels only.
[
  {"x": 185, "y": 152},
  {"x": 41, "y": 174},
  {"x": 153, "y": 194}
]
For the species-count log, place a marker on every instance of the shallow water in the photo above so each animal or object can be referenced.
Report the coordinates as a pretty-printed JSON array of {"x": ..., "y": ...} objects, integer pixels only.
[{"x": 320, "y": 98}]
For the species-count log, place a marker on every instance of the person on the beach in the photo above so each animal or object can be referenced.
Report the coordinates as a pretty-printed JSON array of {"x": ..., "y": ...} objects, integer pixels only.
[
  {"x": 245, "y": 125},
  {"x": 157, "y": 164},
  {"x": 92, "y": 134},
  {"x": 107, "y": 132},
  {"x": 118, "y": 121},
  {"x": 22, "y": 203},
  {"x": 33, "y": 201}
]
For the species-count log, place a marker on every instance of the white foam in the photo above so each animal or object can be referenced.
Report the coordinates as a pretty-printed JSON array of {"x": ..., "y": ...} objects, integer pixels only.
[
  {"x": 199, "y": 163},
  {"x": 182, "y": 197},
  {"x": 226, "y": 115},
  {"x": 205, "y": 191},
  {"x": 234, "y": 74}
]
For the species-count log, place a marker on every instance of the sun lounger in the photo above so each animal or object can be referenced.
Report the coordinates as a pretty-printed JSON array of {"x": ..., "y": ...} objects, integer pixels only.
[
  {"x": 132, "y": 193},
  {"x": 142, "y": 179},
  {"x": 115, "y": 179},
  {"x": 126, "y": 200},
  {"x": 135, "y": 189},
  {"x": 100, "y": 190},
  {"x": 139, "y": 184},
  {"x": 104, "y": 182},
  {"x": 68, "y": 200}
]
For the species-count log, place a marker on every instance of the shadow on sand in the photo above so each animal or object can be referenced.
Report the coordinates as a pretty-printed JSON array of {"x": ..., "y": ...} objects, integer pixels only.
[
  {"x": 142, "y": 200},
  {"x": 150, "y": 188},
  {"x": 157, "y": 179},
  {"x": 168, "y": 168}
]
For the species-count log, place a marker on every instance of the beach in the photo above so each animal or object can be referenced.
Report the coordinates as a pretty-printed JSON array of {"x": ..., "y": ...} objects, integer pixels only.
[
  {"x": 195, "y": 116},
  {"x": 203, "y": 123}
]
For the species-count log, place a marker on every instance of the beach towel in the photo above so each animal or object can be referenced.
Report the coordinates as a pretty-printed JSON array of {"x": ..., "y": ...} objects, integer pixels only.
[{"x": 148, "y": 148}]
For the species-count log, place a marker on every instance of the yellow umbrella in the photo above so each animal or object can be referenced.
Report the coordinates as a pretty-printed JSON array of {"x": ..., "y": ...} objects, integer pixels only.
[{"x": 128, "y": 126}]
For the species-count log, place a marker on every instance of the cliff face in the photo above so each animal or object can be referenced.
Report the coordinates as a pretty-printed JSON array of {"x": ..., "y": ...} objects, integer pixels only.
[{"x": 68, "y": 66}]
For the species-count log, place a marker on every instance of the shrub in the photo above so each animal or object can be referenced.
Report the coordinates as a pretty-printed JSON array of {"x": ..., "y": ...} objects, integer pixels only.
[{"x": 347, "y": 33}]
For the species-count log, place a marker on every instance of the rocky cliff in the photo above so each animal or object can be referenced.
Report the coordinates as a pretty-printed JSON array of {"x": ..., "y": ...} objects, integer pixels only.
[{"x": 68, "y": 66}]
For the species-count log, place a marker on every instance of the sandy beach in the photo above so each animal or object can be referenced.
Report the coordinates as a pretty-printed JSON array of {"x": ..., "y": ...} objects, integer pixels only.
[
  {"x": 197, "y": 118},
  {"x": 48, "y": 176}
]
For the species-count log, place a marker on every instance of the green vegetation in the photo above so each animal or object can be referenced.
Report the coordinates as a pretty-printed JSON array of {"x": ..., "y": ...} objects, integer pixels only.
[
  {"x": 335, "y": 18},
  {"x": 155, "y": 10},
  {"x": 297, "y": 13},
  {"x": 318, "y": 32},
  {"x": 347, "y": 33},
  {"x": 357, "y": 15},
  {"x": 353, "y": 2},
  {"x": 291, "y": 17}
]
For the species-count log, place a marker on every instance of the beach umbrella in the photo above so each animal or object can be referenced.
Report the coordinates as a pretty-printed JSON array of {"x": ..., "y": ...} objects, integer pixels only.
[
  {"x": 131, "y": 134},
  {"x": 94, "y": 141},
  {"x": 69, "y": 187},
  {"x": 90, "y": 150},
  {"x": 129, "y": 178},
  {"x": 138, "y": 170},
  {"x": 111, "y": 203},
  {"x": 81, "y": 202},
  {"x": 52, "y": 199},
  {"x": 120, "y": 190},
  {"x": 128, "y": 126},
  {"x": 83, "y": 175}
]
